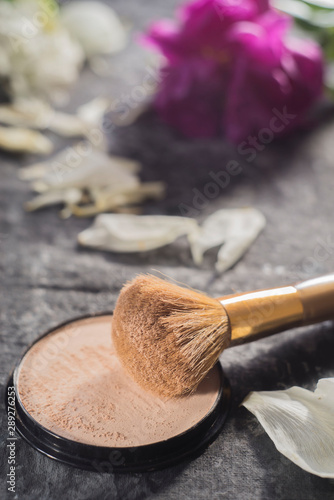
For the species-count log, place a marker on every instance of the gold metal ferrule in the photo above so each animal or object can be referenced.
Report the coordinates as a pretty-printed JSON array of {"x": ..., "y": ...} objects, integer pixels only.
[{"x": 262, "y": 313}]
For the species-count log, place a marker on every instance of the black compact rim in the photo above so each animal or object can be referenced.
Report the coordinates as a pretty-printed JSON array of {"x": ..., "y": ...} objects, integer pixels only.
[{"x": 185, "y": 446}]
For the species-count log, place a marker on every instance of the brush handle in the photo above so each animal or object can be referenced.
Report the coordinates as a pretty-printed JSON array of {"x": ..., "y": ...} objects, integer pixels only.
[
  {"x": 265, "y": 312},
  {"x": 317, "y": 297}
]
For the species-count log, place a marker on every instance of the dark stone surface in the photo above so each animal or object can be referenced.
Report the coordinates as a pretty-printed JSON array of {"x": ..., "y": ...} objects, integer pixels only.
[{"x": 47, "y": 279}]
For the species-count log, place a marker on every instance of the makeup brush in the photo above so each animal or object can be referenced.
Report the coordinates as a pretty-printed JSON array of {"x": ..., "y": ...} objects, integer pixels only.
[{"x": 169, "y": 337}]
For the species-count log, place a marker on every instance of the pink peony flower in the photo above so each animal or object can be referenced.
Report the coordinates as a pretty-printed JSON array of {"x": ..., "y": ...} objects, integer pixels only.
[{"x": 229, "y": 64}]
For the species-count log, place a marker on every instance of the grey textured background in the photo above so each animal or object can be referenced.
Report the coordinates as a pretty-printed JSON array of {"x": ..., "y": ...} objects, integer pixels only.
[{"x": 47, "y": 279}]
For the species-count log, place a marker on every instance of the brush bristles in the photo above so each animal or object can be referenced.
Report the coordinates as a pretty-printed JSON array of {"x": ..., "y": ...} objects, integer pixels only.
[{"x": 168, "y": 337}]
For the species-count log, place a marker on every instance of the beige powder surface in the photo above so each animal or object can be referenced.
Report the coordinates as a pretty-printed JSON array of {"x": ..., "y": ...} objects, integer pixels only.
[{"x": 72, "y": 383}]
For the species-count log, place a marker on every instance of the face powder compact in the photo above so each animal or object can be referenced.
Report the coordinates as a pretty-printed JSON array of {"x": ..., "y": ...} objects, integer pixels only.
[{"x": 76, "y": 403}]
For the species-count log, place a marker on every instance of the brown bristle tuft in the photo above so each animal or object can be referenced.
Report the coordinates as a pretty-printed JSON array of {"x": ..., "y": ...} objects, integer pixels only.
[{"x": 168, "y": 337}]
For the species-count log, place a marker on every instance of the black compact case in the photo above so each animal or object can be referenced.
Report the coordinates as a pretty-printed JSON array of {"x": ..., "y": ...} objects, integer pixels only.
[{"x": 184, "y": 446}]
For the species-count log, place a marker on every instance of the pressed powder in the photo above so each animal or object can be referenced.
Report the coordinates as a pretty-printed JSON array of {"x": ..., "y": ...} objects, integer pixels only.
[
  {"x": 72, "y": 383},
  {"x": 76, "y": 403}
]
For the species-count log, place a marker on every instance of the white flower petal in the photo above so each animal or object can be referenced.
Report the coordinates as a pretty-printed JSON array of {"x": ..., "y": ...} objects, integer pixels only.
[
  {"x": 81, "y": 167},
  {"x": 32, "y": 113},
  {"x": 35, "y": 113},
  {"x": 43, "y": 58},
  {"x": 67, "y": 125},
  {"x": 22, "y": 140},
  {"x": 113, "y": 198},
  {"x": 105, "y": 183},
  {"x": 132, "y": 233},
  {"x": 236, "y": 228},
  {"x": 33, "y": 172},
  {"x": 67, "y": 196},
  {"x": 95, "y": 26},
  {"x": 300, "y": 423}
]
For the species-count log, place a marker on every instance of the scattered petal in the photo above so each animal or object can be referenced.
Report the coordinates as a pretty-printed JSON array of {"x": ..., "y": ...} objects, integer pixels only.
[
  {"x": 34, "y": 113},
  {"x": 300, "y": 423},
  {"x": 33, "y": 172},
  {"x": 237, "y": 229},
  {"x": 112, "y": 197},
  {"x": 132, "y": 233},
  {"x": 67, "y": 125},
  {"x": 22, "y": 140},
  {"x": 88, "y": 182},
  {"x": 67, "y": 196},
  {"x": 82, "y": 167}
]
